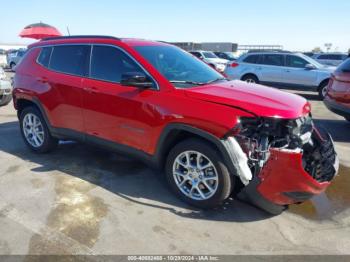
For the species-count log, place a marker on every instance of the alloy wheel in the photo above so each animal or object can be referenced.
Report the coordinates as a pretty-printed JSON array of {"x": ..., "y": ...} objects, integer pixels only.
[
  {"x": 33, "y": 130},
  {"x": 195, "y": 175}
]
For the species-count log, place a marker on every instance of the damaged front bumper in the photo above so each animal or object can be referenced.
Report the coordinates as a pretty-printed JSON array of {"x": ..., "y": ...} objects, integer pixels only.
[{"x": 292, "y": 176}]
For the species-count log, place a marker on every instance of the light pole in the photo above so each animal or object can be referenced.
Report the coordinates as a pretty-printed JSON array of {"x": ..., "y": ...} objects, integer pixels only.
[{"x": 328, "y": 46}]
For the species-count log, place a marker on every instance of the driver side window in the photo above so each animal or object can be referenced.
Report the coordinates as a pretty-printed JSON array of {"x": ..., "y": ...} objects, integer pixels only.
[{"x": 295, "y": 61}]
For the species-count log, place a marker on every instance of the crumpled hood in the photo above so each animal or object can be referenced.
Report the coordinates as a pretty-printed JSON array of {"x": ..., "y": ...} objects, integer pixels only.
[{"x": 260, "y": 100}]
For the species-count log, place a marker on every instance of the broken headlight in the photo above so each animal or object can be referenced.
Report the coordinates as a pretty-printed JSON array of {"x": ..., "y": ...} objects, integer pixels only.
[{"x": 257, "y": 135}]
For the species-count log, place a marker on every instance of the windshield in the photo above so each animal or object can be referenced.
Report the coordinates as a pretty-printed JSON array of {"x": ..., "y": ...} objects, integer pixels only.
[
  {"x": 230, "y": 55},
  {"x": 178, "y": 66},
  {"x": 312, "y": 61},
  {"x": 209, "y": 55}
]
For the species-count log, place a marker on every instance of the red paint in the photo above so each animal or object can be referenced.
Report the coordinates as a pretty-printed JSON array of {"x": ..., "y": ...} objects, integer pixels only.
[
  {"x": 284, "y": 173},
  {"x": 338, "y": 90}
]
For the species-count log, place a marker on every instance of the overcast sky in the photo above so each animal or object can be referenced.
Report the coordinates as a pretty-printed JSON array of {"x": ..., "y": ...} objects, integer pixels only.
[{"x": 295, "y": 24}]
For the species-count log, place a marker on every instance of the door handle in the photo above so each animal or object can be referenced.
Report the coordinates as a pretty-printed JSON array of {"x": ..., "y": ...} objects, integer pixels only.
[
  {"x": 288, "y": 71},
  {"x": 91, "y": 90}
]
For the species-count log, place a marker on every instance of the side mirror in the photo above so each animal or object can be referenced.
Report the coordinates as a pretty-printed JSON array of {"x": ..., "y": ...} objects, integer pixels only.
[
  {"x": 136, "y": 79},
  {"x": 310, "y": 67}
]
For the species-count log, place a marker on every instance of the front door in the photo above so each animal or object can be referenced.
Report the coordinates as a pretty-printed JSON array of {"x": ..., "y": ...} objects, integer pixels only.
[
  {"x": 114, "y": 112},
  {"x": 295, "y": 72}
]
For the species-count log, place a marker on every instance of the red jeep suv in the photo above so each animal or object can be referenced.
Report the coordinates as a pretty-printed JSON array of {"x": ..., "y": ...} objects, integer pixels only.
[{"x": 158, "y": 103}]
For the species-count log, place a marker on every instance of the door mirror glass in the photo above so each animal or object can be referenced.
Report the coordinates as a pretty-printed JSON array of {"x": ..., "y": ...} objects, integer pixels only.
[
  {"x": 310, "y": 67},
  {"x": 136, "y": 79}
]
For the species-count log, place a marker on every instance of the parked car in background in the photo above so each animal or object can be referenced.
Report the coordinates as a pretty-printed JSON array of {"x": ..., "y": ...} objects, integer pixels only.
[
  {"x": 283, "y": 69},
  {"x": 338, "y": 91},
  {"x": 5, "y": 92},
  {"x": 226, "y": 55},
  {"x": 211, "y": 59},
  {"x": 14, "y": 57},
  {"x": 158, "y": 103},
  {"x": 333, "y": 59},
  {"x": 309, "y": 54},
  {"x": 3, "y": 61},
  {"x": 2, "y": 74}
]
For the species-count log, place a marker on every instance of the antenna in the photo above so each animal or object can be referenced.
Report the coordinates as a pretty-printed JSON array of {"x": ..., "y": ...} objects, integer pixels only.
[{"x": 68, "y": 30}]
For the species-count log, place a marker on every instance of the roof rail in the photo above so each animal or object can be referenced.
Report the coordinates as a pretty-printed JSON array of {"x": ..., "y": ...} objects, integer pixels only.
[
  {"x": 80, "y": 36},
  {"x": 268, "y": 51}
]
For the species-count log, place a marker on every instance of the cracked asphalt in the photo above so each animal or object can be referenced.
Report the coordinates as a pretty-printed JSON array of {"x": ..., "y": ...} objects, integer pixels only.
[{"x": 83, "y": 200}]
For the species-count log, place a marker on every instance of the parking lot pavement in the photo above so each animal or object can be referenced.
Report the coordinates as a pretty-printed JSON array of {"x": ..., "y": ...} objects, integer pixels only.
[{"x": 83, "y": 200}]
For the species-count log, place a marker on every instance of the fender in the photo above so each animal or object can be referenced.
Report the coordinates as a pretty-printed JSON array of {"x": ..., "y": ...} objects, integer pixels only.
[{"x": 233, "y": 156}]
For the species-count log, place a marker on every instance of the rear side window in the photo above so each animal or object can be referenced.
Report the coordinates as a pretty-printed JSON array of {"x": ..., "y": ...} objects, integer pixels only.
[
  {"x": 109, "y": 63},
  {"x": 44, "y": 57},
  {"x": 71, "y": 59},
  {"x": 336, "y": 57},
  {"x": 345, "y": 66},
  {"x": 252, "y": 59},
  {"x": 274, "y": 60}
]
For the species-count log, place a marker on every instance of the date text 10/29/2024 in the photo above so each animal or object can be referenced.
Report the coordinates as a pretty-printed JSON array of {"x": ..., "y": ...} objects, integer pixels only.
[{"x": 173, "y": 258}]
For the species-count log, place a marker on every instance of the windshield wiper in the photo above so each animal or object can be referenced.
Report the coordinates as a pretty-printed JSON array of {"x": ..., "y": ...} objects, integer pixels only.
[
  {"x": 216, "y": 80},
  {"x": 198, "y": 83},
  {"x": 186, "y": 82}
]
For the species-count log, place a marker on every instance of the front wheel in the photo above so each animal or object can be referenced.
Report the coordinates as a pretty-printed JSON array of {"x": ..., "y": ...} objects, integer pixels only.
[
  {"x": 322, "y": 90},
  {"x": 35, "y": 132},
  {"x": 197, "y": 174}
]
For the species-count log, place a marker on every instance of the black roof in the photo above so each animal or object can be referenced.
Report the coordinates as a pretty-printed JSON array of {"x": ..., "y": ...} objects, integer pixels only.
[{"x": 81, "y": 36}]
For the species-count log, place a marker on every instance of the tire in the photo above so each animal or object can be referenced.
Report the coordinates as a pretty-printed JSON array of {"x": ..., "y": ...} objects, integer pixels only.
[
  {"x": 251, "y": 79},
  {"x": 347, "y": 118},
  {"x": 43, "y": 141},
  {"x": 214, "y": 174},
  {"x": 12, "y": 66},
  {"x": 322, "y": 90}
]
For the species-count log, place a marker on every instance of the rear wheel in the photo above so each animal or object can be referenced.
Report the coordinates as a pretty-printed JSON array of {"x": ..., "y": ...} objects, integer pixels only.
[
  {"x": 35, "y": 132},
  {"x": 196, "y": 173},
  {"x": 251, "y": 79}
]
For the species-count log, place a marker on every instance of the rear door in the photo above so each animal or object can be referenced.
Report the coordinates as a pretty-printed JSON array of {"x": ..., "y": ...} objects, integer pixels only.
[
  {"x": 67, "y": 67},
  {"x": 270, "y": 67},
  {"x": 295, "y": 72}
]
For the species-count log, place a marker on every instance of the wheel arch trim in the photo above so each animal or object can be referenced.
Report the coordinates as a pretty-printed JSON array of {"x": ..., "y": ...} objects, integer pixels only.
[{"x": 232, "y": 153}]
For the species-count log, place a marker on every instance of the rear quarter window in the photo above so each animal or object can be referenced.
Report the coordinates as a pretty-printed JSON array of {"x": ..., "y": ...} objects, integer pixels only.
[
  {"x": 251, "y": 59},
  {"x": 44, "y": 56}
]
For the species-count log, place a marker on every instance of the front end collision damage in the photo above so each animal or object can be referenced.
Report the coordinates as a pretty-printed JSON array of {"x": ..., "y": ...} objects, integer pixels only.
[{"x": 281, "y": 162}]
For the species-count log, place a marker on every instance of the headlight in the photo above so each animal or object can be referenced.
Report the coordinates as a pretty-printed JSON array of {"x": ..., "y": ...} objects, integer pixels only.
[{"x": 280, "y": 132}]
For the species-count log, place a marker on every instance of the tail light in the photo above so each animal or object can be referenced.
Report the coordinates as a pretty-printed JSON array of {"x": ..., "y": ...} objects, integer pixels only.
[{"x": 234, "y": 64}]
